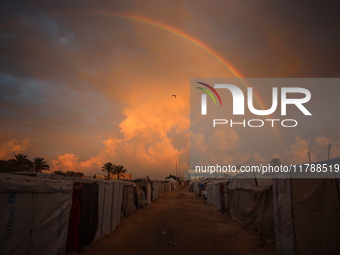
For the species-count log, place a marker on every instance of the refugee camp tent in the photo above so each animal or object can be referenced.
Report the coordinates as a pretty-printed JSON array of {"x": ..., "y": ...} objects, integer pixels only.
[
  {"x": 194, "y": 186},
  {"x": 155, "y": 189},
  {"x": 141, "y": 196},
  {"x": 146, "y": 186},
  {"x": 149, "y": 192},
  {"x": 210, "y": 196},
  {"x": 307, "y": 213},
  {"x": 219, "y": 191},
  {"x": 109, "y": 204},
  {"x": 252, "y": 205},
  {"x": 129, "y": 200},
  {"x": 96, "y": 209},
  {"x": 172, "y": 183},
  {"x": 34, "y": 214},
  {"x": 161, "y": 188},
  {"x": 167, "y": 186}
]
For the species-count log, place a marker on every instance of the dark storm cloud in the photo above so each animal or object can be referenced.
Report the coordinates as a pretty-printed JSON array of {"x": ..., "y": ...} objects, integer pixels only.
[{"x": 70, "y": 73}]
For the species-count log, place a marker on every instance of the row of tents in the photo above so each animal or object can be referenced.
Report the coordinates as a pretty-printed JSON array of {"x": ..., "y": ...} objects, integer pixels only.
[
  {"x": 51, "y": 214},
  {"x": 301, "y": 215}
]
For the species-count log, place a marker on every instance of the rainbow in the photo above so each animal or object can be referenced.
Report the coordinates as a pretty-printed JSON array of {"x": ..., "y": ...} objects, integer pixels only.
[{"x": 132, "y": 17}]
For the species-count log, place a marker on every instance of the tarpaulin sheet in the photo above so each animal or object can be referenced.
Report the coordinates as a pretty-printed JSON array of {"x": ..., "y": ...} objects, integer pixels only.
[
  {"x": 316, "y": 216},
  {"x": 88, "y": 222},
  {"x": 34, "y": 214},
  {"x": 252, "y": 207}
]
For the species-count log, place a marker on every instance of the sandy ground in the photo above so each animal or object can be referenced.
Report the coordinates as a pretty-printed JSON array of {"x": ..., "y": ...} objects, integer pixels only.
[{"x": 179, "y": 223}]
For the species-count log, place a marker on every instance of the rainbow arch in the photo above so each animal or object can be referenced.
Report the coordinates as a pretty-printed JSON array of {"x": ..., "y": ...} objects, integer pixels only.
[{"x": 132, "y": 17}]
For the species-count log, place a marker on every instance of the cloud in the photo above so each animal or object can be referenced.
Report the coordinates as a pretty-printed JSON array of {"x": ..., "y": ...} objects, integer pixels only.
[
  {"x": 13, "y": 147},
  {"x": 92, "y": 88},
  {"x": 318, "y": 149}
]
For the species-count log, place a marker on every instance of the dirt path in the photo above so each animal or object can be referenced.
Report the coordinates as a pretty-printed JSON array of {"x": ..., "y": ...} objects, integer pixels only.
[{"x": 179, "y": 223}]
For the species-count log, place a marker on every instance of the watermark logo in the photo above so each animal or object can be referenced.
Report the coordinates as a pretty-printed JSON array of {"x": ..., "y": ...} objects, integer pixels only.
[
  {"x": 204, "y": 97},
  {"x": 238, "y": 98}
]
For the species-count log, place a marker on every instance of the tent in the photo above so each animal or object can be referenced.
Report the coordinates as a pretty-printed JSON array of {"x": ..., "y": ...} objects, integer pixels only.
[
  {"x": 129, "y": 199},
  {"x": 146, "y": 186},
  {"x": 34, "y": 214},
  {"x": 210, "y": 195},
  {"x": 96, "y": 209},
  {"x": 219, "y": 194},
  {"x": 109, "y": 204},
  {"x": 252, "y": 205},
  {"x": 172, "y": 183},
  {"x": 155, "y": 189},
  {"x": 307, "y": 213}
]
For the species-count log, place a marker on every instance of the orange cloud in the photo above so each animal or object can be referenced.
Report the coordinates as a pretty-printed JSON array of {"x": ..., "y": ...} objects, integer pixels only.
[
  {"x": 13, "y": 147},
  {"x": 298, "y": 152}
]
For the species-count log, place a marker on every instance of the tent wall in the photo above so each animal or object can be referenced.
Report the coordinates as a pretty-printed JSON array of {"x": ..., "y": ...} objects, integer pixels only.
[
  {"x": 105, "y": 198},
  {"x": 128, "y": 200},
  {"x": 283, "y": 218},
  {"x": 155, "y": 190},
  {"x": 116, "y": 204},
  {"x": 88, "y": 221},
  {"x": 252, "y": 208},
  {"x": 72, "y": 243},
  {"x": 316, "y": 216},
  {"x": 34, "y": 214},
  {"x": 210, "y": 197},
  {"x": 148, "y": 192}
]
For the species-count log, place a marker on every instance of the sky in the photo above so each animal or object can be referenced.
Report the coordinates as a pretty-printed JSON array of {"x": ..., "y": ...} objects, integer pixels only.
[{"x": 87, "y": 82}]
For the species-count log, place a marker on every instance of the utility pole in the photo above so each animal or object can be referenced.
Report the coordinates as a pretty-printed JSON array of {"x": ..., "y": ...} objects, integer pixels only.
[
  {"x": 179, "y": 170},
  {"x": 176, "y": 168},
  {"x": 329, "y": 151}
]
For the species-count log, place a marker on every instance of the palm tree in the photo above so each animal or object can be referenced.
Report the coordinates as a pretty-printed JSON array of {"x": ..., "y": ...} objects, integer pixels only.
[
  {"x": 275, "y": 162},
  {"x": 39, "y": 165},
  {"x": 119, "y": 170},
  {"x": 21, "y": 162},
  {"x": 109, "y": 167}
]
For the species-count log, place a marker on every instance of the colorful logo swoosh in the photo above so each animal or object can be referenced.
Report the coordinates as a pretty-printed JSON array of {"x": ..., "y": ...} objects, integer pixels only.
[{"x": 218, "y": 96}]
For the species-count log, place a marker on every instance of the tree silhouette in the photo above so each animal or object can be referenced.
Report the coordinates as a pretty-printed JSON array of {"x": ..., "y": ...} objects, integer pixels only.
[
  {"x": 40, "y": 165},
  {"x": 109, "y": 167},
  {"x": 275, "y": 162},
  {"x": 119, "y": 169},
  {"x": 21, "y": 162}
]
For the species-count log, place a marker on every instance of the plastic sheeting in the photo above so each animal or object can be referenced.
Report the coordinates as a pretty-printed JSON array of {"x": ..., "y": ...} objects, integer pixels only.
[
  {"x": 128, "y": 199},
  {"x": 109, "y": 204},
  {"x": 155, "y": 190},
  {"x": 316, "y": 216},
  {"x": 252, "y": 206},
  {"x": 88, "y": 221},
  {"x": 34, "y": 214},
  {"x": 218, "y": 196},
  {"x": 210, "y": 193}
]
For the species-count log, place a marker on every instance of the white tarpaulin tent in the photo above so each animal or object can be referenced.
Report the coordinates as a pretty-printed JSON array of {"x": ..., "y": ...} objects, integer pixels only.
[
  {"x": 110, "y": 195},
  {"x": 155, "y": 189},
  {"x": 210, "y": 196},
  {"x": 109, "y": 204},
  {"x": 217, "y": 196},
  {"x": 252, "y": 205},
  {"x": 34, "y": 214},
  {"x": 307, "y": 214}
]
